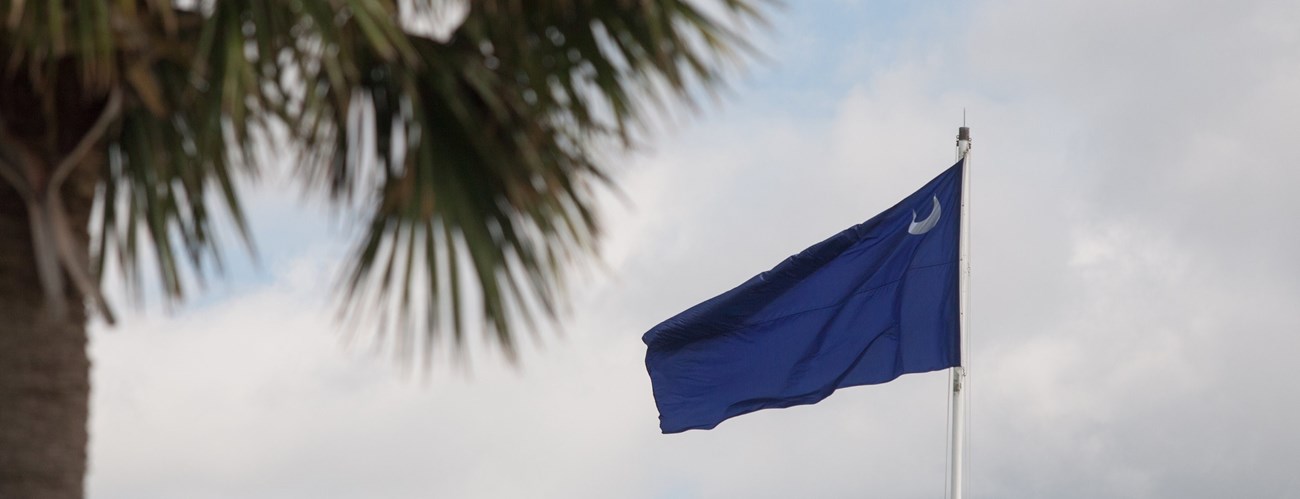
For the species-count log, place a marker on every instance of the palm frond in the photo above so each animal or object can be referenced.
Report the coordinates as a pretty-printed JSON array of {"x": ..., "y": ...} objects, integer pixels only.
[
  {"x": 471, "y": 158},
  {"x": 494, "y": 132}
]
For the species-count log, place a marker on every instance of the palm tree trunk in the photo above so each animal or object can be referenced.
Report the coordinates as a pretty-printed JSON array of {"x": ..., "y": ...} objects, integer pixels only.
[{"x": 44, "y": 370}]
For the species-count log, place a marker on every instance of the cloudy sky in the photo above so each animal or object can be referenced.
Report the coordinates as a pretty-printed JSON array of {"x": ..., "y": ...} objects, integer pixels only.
[{"x": 1134, "y": 308}]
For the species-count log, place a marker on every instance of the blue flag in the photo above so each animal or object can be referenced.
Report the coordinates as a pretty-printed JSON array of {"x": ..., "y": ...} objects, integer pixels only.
[{"x": 866, "y": 306}]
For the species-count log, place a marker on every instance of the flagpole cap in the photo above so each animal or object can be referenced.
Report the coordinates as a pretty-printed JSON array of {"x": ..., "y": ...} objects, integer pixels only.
[{"x": 963, "y": 133}]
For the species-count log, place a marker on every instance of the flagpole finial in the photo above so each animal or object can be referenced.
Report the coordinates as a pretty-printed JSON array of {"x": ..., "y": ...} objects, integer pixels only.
[{"x": 963, "y": 133}]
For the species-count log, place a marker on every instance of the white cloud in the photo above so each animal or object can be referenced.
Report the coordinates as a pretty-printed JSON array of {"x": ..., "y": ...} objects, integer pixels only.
[{"x": 1131, "y": 325}]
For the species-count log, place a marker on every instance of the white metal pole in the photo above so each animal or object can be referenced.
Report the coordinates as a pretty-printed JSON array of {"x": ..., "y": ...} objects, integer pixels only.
[{"x": 955, "y": 463}]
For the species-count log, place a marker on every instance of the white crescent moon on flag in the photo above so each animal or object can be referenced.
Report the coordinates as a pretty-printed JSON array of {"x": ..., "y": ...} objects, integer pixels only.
[{"x": 918, "y": 228}]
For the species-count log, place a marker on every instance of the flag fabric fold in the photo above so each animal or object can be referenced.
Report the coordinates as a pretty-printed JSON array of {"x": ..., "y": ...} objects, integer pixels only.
[{"x": 869, "y": 304}]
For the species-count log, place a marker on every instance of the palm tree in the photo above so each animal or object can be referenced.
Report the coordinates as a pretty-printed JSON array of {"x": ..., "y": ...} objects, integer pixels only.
[{"x": 471, "y": 158}]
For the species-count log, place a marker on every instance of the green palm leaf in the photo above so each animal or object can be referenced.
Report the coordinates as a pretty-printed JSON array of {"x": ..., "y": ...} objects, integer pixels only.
[{"x": 469, "y": 159}]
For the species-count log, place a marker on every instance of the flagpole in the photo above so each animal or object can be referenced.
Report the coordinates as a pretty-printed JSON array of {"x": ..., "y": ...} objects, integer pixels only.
[{"x": 958, "y": 377}]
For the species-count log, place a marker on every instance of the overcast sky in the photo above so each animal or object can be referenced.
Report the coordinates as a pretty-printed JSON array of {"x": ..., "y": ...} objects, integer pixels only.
[{"x": 1134, "y": 316}]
